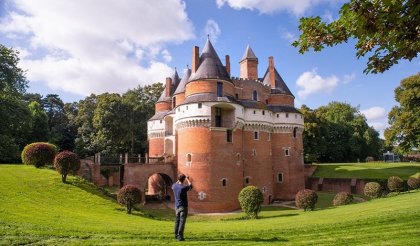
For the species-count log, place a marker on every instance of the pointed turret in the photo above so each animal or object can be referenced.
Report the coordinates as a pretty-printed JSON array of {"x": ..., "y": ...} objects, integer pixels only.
[
  {"x": 170, "y": 86},
  {"x": 249, "y": 65},
  {"x": 175, "y": 81},
  {"x": 210, "y": 65},
  {"x": 275, "y": 81},
  {"x": 184, "y": 80}
]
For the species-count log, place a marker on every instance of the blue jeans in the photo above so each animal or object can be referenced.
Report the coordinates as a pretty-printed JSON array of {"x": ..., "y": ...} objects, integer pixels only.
[{"x": 181, "y": 217}]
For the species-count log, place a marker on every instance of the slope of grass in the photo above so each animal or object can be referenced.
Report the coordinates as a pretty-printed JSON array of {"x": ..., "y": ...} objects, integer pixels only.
[
  {"x": 375, "y": 170},
  {"x": 37, "y": 209}
]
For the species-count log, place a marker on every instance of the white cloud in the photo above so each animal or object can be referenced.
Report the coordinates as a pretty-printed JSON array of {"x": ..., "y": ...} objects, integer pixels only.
[
  {"x": 374, "y": 113},
  {"x": 213, "y": 30},
  {"x": 310, "y": 83},
  {"x": 379, "y": 126},
  {"x": 297, "y": 7},
  {"x": 92, "y": 46},
  {"x": 348, "y": 77},
  {"x": 327, "y": 16},
  {"x": 290, "y": 37}
]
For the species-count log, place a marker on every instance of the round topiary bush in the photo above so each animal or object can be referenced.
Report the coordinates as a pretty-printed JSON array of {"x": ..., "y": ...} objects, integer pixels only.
[
  {"x": 39, "y": 154},
  {"x": 67, "y": 162},
  {"x": 395, "y": 183},
  {"x": 250, "y": 199},
  {"x": 342, "y": 198},
  {"x": 373, "y": 190},
  {"x": 129, "y": 195},
  {"x": 306, "y": 199},
  {"x": 413, "y": 183}
]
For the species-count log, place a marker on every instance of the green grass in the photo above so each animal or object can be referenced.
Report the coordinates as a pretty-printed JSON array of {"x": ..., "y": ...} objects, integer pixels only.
[
  {"x": 375, "y": 170},
  {"x": 36, "y": 208}
]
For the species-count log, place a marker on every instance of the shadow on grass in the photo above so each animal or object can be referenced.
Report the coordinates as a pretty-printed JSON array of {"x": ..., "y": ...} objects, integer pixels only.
[
  {"x": 236, "y": 240},
  {"x": 91, "y": 188}
]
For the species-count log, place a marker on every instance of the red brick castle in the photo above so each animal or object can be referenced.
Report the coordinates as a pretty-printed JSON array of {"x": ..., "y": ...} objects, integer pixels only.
[{"x": 227, "y": 132}]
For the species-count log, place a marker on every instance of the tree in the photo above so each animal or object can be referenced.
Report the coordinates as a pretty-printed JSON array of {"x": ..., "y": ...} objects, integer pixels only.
[
  {"x": 67, "y": 162},
  {"x": 39, "y": 127},
  {"x": 250, "y": 199},
  {"x": 85, "y": 130},
  {"x": 386, "y": 30},
  {"x": 39, "y": 154},
  {"x": 12, "y": 78},
  {"x": 129, "y": 195},
  {"x": 404, "y": 120},
  {"x": 306, "y": 199}
]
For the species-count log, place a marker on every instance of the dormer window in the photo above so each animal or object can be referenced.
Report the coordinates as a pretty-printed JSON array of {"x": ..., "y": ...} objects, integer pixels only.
[{"x": 255, "y": 95}]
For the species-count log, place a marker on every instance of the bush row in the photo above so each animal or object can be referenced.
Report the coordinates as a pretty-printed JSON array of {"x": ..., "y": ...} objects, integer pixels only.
[{"x": 394, "y": 184}]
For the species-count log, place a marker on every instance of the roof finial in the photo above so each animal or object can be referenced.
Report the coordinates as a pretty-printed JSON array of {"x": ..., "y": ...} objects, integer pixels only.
[
  {"x": 208, "y": 36},
  {"x": 188, "y": 67}
]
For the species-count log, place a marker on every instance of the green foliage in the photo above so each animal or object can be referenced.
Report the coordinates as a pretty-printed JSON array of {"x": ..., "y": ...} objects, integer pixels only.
[
  {"x": 338, "y": 133},
  {"x": 250, "y": 198},
  {"x": 39, "y": 154},
  {"x": 395, "y": 183},
  {"x": 129, "y": 195},
  {"x": 373, "y": 190},
  {"x": 67, "y": 162},
  {"x": 386, "y": 30},
  {"x": 39, "y": 130},
  {"x": 413, "y": 183},
  {"x": 12, "y": 78},
  {"x": 404, "y": 120},
  {"x": 306, "y": 199},
  {"x": 342, "y": 198}
]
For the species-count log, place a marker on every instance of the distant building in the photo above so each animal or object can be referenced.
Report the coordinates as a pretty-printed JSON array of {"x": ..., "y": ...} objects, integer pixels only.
[{"x": 227, "y": 133}]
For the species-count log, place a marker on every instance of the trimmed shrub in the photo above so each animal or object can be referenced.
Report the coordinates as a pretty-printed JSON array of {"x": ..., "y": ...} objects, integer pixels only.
[
  {"x": 306, "y": 199},
  {"x": 373, "y": 190},
  {"x": 39, "y": 154},
  {"x": 67, "y": 162},
  {"x": 129, "y": 195},
  {"x": 413, "y": 183},
  {"x": 395, "y": 183},
  {"x": 342, "y": 198},
  {"x": 250, "y": 198}
]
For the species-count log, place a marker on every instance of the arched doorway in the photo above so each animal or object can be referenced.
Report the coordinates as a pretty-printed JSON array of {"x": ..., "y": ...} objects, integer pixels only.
[{"x": 158, "y": 188}]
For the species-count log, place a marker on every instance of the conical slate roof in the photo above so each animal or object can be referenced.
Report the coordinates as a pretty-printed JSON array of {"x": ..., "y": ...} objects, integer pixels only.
[
  {"x": 210, "y": 65},
  {"x": 174, "y": 85},
  {"x": 249, "y": 54},
  {"x": 280, "y": 85},
  {"x": 184, "y": 80}
]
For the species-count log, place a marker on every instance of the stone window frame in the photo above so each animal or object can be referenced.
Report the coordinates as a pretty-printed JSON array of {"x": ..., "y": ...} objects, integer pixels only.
[
  {"x": 224, "y": 182},
  {"x": 189, "y": 159},
  {"x": 247, "y": 179},
  {"x": 264, "y": 189},
  {"x": 294, "y": 132},
  {"x": 287, "y": 115},
  {"x": 286, "y": 151},
  {"x": 280, "y": 174},
  {"x": 263, "y": 112},
  {"x": 254, "y": 152},
  {"x": 200, "y": 105},
  {"x": 256, "y": 135},
  {"x": 238, "y": 158}
]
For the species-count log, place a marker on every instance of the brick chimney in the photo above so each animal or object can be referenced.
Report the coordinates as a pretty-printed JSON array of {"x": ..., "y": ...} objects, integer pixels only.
[
  {"x": 227, "y": 62},
  {"x": 168, "y": 87},
  {"x": 195, "y": 59},
  {"x": 271, "y": 72}
]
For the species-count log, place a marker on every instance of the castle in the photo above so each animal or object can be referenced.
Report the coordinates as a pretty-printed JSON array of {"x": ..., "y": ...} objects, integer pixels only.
[{"x": 227, "y": 132}]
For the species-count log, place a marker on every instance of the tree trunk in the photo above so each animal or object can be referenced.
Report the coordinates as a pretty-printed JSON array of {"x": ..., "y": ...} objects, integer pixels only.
[
  {"x": 63, "y": 177},
  {"x": 128, "y": 207}
]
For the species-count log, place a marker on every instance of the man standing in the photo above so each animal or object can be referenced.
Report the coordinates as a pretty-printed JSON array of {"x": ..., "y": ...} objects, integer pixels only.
[{"x": 181, "y": 205}]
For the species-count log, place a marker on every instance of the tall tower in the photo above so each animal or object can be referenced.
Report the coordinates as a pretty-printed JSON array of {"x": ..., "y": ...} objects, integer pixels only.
[{"x": 249, "y": 65}]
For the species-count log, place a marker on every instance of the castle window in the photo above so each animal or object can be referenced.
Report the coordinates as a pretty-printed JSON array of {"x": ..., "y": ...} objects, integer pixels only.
[
  {"x": 246, "y": 180},
  {"x": 295, "y": 116},
  {"x": 256, "y": 135},
  {"x": 237, "y": 96},
  {"x": 264, "y": 189},
  {"x": 287, "y": 115},
  {"x": 263, "y": 112},
  {"x": 269, "y": 136},
  {"x": 294, "y": 132},
  {"x": 254, "y": 152},
  {"x": 280, "y": 177},
  {"x": 229, "y": 136},
  {"x": 238, "y": 158},
  {"x": 224, "y": 182},
  {"x": 189, "y": 158},
  {"x": 218, "y": 117},
  {"x": 266, "y": 101},
  {"x": 255, "y": 95},
  {"x": 277, "y": 115},
  {"x": 219, "y": 89},
  {"x": 255, "y": 111},
  {"x": 287, "y": 152},
  {"x": 200, "y": 105},
  {"x": 160, "y": 121},
  {"x": 187, "y": 107}
]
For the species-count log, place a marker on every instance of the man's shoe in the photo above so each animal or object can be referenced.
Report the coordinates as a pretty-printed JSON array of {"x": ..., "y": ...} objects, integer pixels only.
[{"x": 181, "y": 239}]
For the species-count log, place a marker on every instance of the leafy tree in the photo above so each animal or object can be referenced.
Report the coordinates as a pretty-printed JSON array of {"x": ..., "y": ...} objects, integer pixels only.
[
  {"x": 39, "y": 130},
  {"x": 386, "y": 30},
  {"x": 67, "y": 162},
  {"x": 84, "y": 145},
  {"x": 372, "y": 190},
  {"x": 129, "y": 195},
  {"x": 306, "y": 199},
  {"x": 12, "y": 78},
  {"x": 250, "y": 199},
  {"x": 39, "y": 154},
  {"x": 404, "y": 120},
  {"x": 342, "y": 198},
  {"x": 395, "y": 183}
]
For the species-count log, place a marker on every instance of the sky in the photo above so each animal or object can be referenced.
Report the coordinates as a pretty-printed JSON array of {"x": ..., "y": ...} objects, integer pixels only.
[{"x": 75, "y": 48}]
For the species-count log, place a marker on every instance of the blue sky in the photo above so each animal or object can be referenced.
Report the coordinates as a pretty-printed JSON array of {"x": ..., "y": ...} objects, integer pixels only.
[{"x": 74, "y": 48}]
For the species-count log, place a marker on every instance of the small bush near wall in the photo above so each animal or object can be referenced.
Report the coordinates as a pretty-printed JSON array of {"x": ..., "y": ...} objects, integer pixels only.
[
  {"x": 306, "y": 199},
  {"x": 373, "y": 190},
  {"x": 129, "y": 195},
  {"x": 342, "y": 198},
  {"x": 67, "y": 162},
  {"x": 39, "y": 154},
  {"x": 395, "y": 184},
  {"x": 413, "y": 183},
  {"x": 250, "y": 199}
]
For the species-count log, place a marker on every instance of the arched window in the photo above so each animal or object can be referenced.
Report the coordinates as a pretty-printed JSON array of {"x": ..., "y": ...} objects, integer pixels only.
[
  {"x": 246, "y": 180},
  {"x": 280, "y": 177},
  {"x": 255, "y": 95},
  {"x": 224, "y": 182},
  {"x": 294, "y": 132}
]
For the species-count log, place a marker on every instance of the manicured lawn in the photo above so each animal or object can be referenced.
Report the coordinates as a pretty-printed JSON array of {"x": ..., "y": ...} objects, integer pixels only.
[
  {"x": 375, "y": 170},
  {"x": 36, "y": 208}
]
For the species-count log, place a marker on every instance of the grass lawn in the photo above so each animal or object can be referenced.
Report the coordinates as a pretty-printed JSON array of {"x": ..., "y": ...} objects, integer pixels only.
[
  {"x": 36, "y": 208},
  {"x": 373, "y": 170}
]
